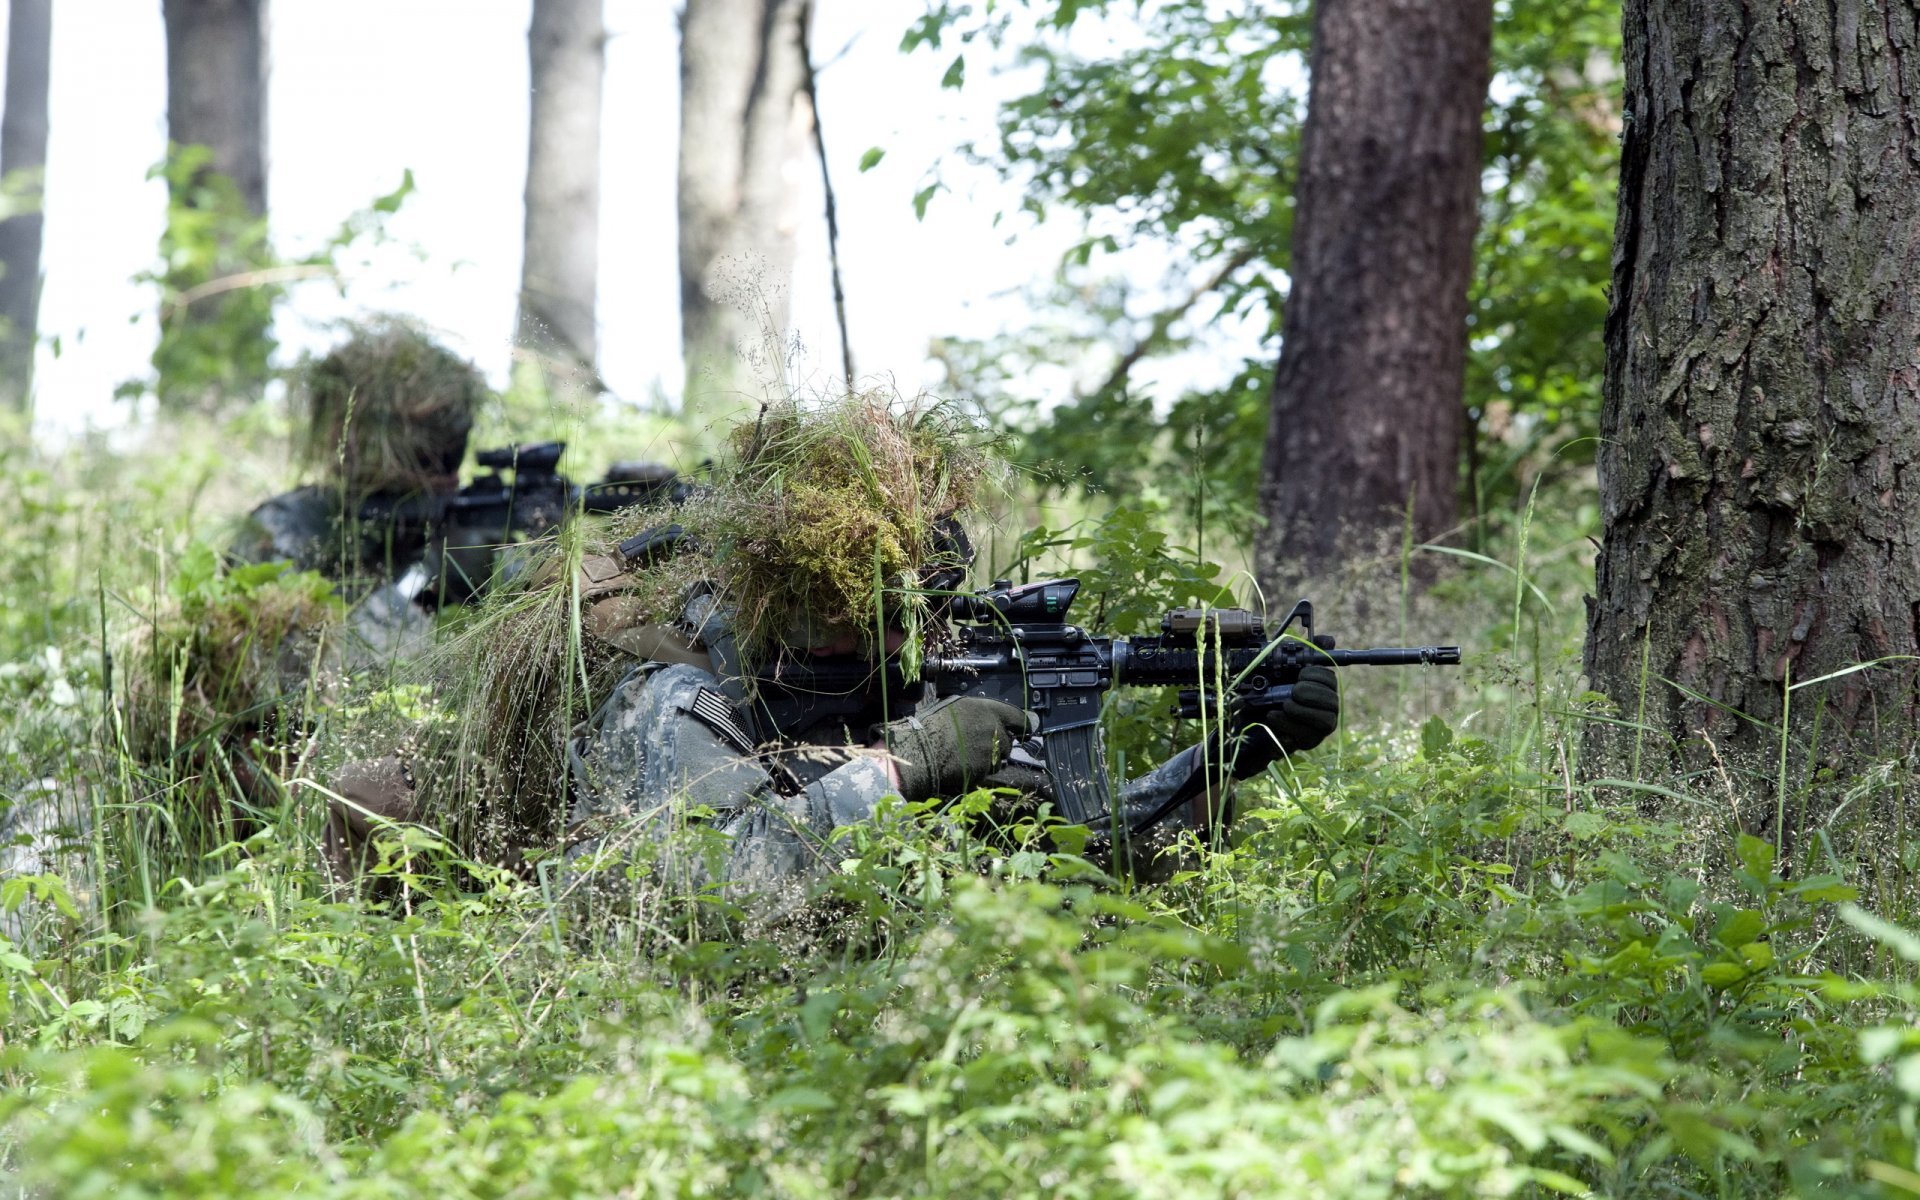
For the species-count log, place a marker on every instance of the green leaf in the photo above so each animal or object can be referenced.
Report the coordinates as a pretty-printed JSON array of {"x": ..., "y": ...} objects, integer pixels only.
[
  {"x": 956, "y": 75},
  {"x": 1756, "y": 856},
  {"x": 1739, "y": 927},
  {"x": 195, "y": 571},
  {"x": 921, "y": 197},
  {"x": 1435, "y": 737},
  {"x": 1585, "y": 825},
  {"x": 391, "y": 202},
  {"x": 871, "y": 159},
  {"x": 1722, "y": 974},
  {"x": 1881, "y": 1042},
  {"x": 1824, "y": 889},
  {"x": 801, "y": 1100},
  {"x": 250, "y": 577}
]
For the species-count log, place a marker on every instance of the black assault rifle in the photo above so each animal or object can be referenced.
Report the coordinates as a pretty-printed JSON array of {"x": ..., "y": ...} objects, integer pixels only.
[
  {"x": 519, "y": 495},
  {"x": 1015, "y": 645}
]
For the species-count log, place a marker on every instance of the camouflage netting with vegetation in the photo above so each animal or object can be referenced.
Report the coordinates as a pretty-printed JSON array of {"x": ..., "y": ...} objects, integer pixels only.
[
  {"x": 224, "y": 658},
  {"x": 388, "y": 409},
  {"x": 822, "y": 514},
  {"x": 824, "y": 517}
]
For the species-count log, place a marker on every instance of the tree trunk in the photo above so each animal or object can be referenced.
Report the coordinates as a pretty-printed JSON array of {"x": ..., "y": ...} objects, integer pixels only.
[
  {"x": 1763, "y": 392},
  {"x": 215, "y": 348},
  {"x": 217, "y": 88},
  {"x": 1367, "y": 396},
  {"x": 23, "y": 162},
  {"x": 743, "y": 125},
  {"x": 560, "y": 269}
]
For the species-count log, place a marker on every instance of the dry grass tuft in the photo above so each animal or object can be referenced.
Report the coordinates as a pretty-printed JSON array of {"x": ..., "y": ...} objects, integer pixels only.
[{"x": 486, "y": 738}]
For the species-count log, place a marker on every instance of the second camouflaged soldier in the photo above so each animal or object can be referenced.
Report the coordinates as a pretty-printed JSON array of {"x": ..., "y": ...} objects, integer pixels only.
[{"x": 386, "y": 416}]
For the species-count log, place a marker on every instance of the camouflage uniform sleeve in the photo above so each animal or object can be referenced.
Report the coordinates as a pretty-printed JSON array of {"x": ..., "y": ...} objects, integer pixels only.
[{"x": 651, "y": 768}]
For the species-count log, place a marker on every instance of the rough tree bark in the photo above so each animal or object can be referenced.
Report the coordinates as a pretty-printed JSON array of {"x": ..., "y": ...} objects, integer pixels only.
[
  {"x": 1367, "y": 396},
  {"x": 1763, "y": 390},
  {"x": 217, "y": 87},
  {"x": 23, "y": 161},
  {"x": 560, "y": 269},
  {"x": 743, "y": 127},
  {"x": 215, "y": 348}
]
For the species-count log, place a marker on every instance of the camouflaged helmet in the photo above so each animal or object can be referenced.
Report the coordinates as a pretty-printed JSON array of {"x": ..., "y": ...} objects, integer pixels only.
[{"x": 388, "y": 410}]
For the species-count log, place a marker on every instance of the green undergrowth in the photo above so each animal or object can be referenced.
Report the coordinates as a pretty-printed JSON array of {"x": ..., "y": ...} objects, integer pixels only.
[
  {"x": 1432, "y": 961},
  {"x": 1408, "y": 977}
]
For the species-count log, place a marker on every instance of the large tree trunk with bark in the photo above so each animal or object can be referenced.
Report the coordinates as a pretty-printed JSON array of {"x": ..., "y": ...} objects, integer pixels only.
[
  {"x": 217, "y": 88},
  {"x": 1367, "y": 408},
  {"x": 1763, "y": 396},
  {"x": 559, "y": 272},
  {"x": 214, "y": 344},
  {"x": 743, "y": 126},
  {"x": 23, "y": 162}
]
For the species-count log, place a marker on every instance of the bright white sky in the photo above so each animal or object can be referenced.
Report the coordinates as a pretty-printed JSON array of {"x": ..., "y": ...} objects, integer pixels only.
[{"x": 364, "y": 89}]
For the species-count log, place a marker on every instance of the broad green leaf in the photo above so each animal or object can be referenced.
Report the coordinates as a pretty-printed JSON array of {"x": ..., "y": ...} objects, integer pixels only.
[
  {"x": 1585, "y": 825},
  {"x": 1739, "y": 927},
  {"x": 1755, "y": 855},
  {"x": 1722, "y": 974},
  {"x": 1824, "y": 889}
]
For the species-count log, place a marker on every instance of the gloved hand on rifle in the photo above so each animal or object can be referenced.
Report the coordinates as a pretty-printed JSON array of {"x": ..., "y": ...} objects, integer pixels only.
[
  {"x": 953, "y": 745},
  {"x": 1263, "y": 735}
]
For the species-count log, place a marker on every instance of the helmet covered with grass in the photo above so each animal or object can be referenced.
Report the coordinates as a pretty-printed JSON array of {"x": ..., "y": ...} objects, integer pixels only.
[
  {"x": 835, "y": 519},
  {"x": 388, "y": 410}
]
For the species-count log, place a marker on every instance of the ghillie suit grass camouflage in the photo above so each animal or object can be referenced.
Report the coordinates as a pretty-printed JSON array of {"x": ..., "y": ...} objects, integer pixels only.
[
  {"x": 387, "y": 410},
  {"x": 817, "y": 526},
  {"x": 384, "y": 415}
]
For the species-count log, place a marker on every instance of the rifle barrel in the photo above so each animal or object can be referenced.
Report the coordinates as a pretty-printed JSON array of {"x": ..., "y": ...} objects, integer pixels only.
[{"x": 1398, "y": 656}]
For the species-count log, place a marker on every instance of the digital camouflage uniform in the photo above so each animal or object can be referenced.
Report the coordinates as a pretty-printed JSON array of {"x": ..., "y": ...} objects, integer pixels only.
[{"x": 660, "y": 750}]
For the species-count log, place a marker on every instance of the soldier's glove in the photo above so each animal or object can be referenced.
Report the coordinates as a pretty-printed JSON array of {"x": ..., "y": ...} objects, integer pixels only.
[
  {"x": 953, "y": 745},
  {"x": 1307, "y": 717}
]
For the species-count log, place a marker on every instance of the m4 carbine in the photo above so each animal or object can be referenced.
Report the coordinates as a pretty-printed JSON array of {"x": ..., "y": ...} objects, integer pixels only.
[{"x": 1016, "y": 645}]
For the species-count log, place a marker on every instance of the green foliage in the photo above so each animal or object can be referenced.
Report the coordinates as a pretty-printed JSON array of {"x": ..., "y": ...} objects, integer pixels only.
[
  {"x": 219, "y": 279},
  {"x": 1365, "y": 996},
  {"x": 217, "y": 290},
  {"x": 1430, "y": 961},
  {"x": 1184, "y": 134}
]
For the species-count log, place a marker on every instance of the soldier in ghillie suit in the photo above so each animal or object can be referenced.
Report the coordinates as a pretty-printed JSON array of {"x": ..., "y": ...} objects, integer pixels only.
[
  {"x": 385, "y": 417},
  {"x": 827, "y": 536}
]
